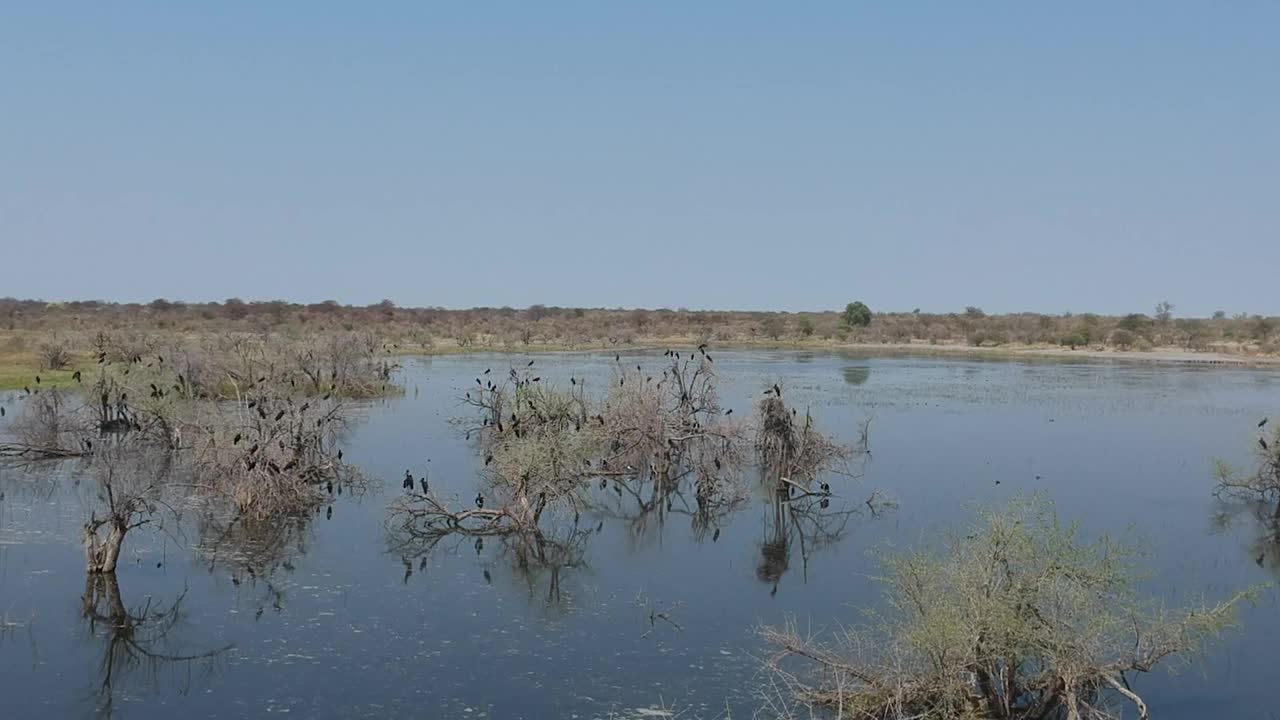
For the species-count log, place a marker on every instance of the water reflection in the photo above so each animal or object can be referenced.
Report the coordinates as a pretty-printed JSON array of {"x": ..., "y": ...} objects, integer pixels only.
[
  {"x": 805, "y": 523},
  {"x": 139, "y": 644},
  {"x": 257, "y": 554},
  {"x": 856, "y": 374}
]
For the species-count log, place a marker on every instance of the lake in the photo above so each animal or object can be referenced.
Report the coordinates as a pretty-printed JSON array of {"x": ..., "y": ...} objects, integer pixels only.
[{"x": 332, "y": 617}]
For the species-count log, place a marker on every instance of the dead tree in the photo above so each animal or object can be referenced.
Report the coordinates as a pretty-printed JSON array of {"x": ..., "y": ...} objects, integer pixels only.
[{"x": 128, "y": 494}]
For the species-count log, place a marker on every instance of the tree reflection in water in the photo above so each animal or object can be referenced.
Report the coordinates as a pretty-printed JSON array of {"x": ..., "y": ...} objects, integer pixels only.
[{"x": 138, "y": 643}]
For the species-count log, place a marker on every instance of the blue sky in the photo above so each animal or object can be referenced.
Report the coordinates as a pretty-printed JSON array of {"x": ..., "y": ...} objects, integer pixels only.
[{"x": 792, "y": 156}]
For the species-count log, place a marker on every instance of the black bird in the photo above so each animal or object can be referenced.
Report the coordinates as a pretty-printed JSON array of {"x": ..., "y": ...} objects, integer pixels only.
[
  {"x": 617, "y": 357},
  {"x": 236, "y": 439},
  {"x": 826, "y": 487},
  {"x": 572, "y": 381},
  {"x": 339, "y": 454},
  {"x": 328, "y": 515},
  {"x": 76, "y": 376},
  {"x": 1262, "y": 422},
  {"x": 487, "y": 578},
  {"x": 486, "y": 370},
  {"x": 716, "y": 535},
  {"x": 777, "y": 390},
  {"x": 479, "y": 501},
  {"x": 37, "y": 379},
  {"x": 1264, "y": 445},
  {"x": 728, "y": 412},
  {"x": 408, "y": 480},
  {"x": 530, "y": 364},
  {"x": 330, "y": 488},
  {"x": 423, "y": 482},
  {"x": 708, "y": 357},
  {"x": 637, "y": 368}
]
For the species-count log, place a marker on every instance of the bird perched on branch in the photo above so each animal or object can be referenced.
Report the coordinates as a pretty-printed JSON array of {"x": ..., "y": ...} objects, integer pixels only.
[
  {"x": 408, "y": 480},
  {"x": 479, "y": 501}
]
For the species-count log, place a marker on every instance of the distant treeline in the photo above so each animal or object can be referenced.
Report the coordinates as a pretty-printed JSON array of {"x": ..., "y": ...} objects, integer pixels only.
[{"x": 510, "y": 328}]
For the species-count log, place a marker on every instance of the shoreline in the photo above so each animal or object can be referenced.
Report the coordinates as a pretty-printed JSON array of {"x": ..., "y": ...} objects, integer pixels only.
[
  {"x": 1156, "y": 356},
  {"x": 19, "y": 369}
]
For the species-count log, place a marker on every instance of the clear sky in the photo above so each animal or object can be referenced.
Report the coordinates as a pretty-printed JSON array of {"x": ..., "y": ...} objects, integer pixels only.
[{"x": 1015, "y": 156}]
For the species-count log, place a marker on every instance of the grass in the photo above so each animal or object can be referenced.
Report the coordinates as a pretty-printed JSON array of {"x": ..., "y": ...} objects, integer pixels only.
[{"x": 18, "y": 369}]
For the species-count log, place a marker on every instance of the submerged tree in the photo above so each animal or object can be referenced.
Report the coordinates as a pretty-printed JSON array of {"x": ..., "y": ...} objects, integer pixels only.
[
  {"x": 128, "y": 488},
  {"x": 1017, "y": 618},
  {"x": 1262, "y": 484}
]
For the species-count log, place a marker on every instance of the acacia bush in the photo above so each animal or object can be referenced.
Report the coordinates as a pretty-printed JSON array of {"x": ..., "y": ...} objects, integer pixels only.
[{"x": 1016, "y": 617}]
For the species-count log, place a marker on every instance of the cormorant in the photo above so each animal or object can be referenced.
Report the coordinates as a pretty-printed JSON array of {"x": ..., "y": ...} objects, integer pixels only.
[
  {"x": 408, "y": 481},
  {"x": 728, "y": 412},
  {"x": 479, "y": 501}
]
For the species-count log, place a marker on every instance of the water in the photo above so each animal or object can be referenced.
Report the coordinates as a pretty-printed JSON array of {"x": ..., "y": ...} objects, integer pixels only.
[{"x": 338, "y": 621}]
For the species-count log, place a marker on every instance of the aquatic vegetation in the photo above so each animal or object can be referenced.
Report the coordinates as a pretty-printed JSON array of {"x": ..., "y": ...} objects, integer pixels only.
[
  {"x": 1017, "y": 617},
  {"x": 250, "y": 424},
  {"x": 653, "y": 432}
]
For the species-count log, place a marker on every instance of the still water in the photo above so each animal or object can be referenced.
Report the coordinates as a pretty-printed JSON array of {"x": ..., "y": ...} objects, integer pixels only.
[{"x": 332, "y": 617}]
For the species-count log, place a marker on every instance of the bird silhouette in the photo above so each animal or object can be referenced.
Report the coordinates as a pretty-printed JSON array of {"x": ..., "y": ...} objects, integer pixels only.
[
  {"x": 479, "y": 501},
  {"x": 486, "y": 370},
  {"x": 37, "y": 379},
  {"x": 423, "y": 482},
  {"x": 1264, "y": 445},
  {"x": 339, "y": 454},
  {"x": 716, "y": 535},
  {"x": 76, "y": 376},
  {"x": 530, "y": 364},
  {"x": 728, "y": 412},
  {"x": 408, "y": 481},
  {"x": 487, "y": 578},
  {"x": 236, "y": 439},
  {"x": 1262, "y": 422},
  {"x": 328, "y": 515}
]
